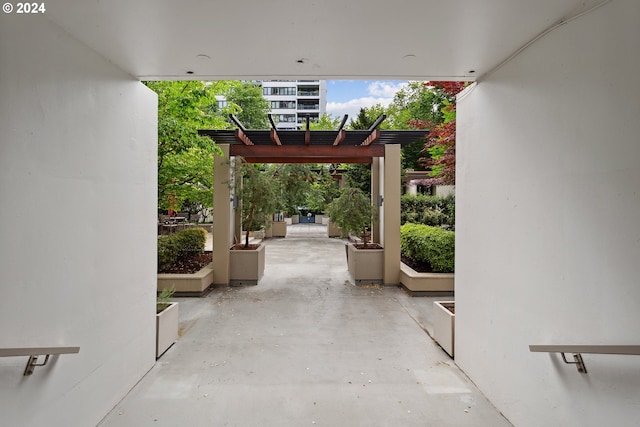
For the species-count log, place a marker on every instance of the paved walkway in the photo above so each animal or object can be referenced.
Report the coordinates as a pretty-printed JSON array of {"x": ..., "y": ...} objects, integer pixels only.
[{"x": 305, "y": 347}]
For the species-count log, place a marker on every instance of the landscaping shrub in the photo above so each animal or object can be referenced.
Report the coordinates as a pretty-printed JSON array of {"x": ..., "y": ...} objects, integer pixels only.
[
  {"x": 423, "y": 243},
  {"x": 436, "y": 211},
  {"x": 190, "y": 241},
  {"x": 181, "y": 244},
  {"x": 167, "y": 251}
]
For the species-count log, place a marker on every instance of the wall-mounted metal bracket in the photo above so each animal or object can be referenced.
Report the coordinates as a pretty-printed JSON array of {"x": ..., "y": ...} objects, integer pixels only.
[
  {"x": 577, "y": 357},
  {"x": 33, "y": 362}
]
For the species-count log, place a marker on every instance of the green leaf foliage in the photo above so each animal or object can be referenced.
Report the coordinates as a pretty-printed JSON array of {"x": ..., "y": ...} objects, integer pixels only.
[
  {"x": 181, "y": 244},
  {"x": 325, "y": 122},
  {"x": 433, "y": 245},
  {"x": 352, "y": 211},
  {"x": 246, "y": 102},
  {"x": 257, "y": 195},
  {"x": 435, "y": 211}
]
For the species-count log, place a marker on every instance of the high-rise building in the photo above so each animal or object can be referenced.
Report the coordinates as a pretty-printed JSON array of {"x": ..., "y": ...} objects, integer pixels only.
[{"x": 292, "y": 101}]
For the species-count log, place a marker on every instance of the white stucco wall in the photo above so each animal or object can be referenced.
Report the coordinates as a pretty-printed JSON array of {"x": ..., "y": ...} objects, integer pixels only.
[
  {"x": 77, "y": 225},
  {"x": 551, "y": 254}
]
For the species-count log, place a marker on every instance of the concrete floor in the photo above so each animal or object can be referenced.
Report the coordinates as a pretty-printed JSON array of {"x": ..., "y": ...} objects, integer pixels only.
[{"x": 305, "y": 347}]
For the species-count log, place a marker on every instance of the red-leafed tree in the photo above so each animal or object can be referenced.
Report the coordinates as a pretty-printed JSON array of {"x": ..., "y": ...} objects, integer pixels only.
[{"x": 441, "y": 140}]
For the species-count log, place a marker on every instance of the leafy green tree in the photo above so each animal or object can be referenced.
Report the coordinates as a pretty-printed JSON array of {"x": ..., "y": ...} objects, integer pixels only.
[
  {"x": 353, "y": 212},
  {"x": 325, "y": 122},
  {"x": 185, "y": 159},
  {"x": 184, "y": 107},
  {"x": 257, "y": 196},
  {"x": 322, "y": 191},
  {"x": 367, "y": 117},
  {"x": 249, "y": 106},
  {"x": 294, "y": 182},
  {"x": 412, "y": 108},
  {"x": 358, "y": 175}
]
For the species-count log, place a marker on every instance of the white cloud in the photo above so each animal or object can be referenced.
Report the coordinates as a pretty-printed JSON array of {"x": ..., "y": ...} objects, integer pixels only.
[
  {"x": 385, "y": 89},
  {"x": 353, "y": 106},
  {"x": 379, "y": 92}
]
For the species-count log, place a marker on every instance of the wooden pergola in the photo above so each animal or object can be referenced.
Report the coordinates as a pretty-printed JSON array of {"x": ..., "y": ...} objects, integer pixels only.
[
  {"x": 307, "y": 146},
  {"x": 380, "y": 148}
]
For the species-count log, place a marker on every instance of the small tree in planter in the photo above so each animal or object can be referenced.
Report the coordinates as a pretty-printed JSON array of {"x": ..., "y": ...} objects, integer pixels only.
[
  {"x": 257, "y": 197},
  {"x": 353, "y": 212}
]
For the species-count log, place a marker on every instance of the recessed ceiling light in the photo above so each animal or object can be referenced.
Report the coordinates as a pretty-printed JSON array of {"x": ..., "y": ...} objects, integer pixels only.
[
  {"x": 189, "y": 72},
  {"x": 409, "y": 56},
  {"x": 203, "y": 56},
  {"x": 300, "y": 61},
  {"x": 472, "y": 71}
]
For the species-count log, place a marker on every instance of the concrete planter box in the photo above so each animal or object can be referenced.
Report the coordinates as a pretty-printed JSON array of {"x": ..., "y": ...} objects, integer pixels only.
[
  {"x": 288, "y": 221},
  {"x": 444, "y": 326},
  {"x": 319, "y": 219},
  {"x": 195, "y": 284},
  {"x": 325, "y": 220},
  {"x": 295, "y": 219},
  {"x": 279, "y": 229},
  {"x": 246, "y": 266},
  {"x": 426, "y": 282},
  {"x": 166, "y": 328},
  {"x": 365, "y": 265},
  {"x": 333, "y": 230}
]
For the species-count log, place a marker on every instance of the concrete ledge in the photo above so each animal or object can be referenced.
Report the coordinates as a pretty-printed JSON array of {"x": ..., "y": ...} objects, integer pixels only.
[
  {"x": 426, "y": 282},
  {"x": 196, "y": 284}
]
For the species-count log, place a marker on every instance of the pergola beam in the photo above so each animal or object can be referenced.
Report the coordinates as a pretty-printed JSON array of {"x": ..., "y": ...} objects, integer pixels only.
[
  {"x": 341, "y": 133},
  {"x": 273, "y": 133},
  {"x": 307, "y": 151},
  {"x": 374, "y": 131},
  {"x": 241, "y": 136},
  {"x": 373, "y": 136},
  {"x": 363, "y": 160}
]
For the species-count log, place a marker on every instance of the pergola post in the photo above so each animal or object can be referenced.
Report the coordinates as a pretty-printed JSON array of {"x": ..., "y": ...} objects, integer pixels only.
[
  {"x": 222, "y": 216},
  {"x": 390, "y": 217},
  {"x": 375, "y": 192}
]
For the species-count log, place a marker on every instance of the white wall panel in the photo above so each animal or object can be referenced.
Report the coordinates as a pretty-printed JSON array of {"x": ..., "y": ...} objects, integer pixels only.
[
  {"x": 548, "y": 236},
  {"x": 77, "y": 225}
]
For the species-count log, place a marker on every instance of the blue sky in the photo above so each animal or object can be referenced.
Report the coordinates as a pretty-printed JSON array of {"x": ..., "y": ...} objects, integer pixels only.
[{"x": 348, "y": 96}]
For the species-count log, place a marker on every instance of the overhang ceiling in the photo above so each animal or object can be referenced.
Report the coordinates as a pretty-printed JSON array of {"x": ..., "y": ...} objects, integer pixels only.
[{"x": 315, "y": 39}]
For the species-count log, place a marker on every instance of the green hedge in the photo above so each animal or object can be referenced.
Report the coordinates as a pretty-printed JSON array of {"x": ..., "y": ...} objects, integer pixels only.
[
  {"x": 423, "y": 243},
  {"x": 180, "y": 245},
  {"x": 429, "y": 210}
]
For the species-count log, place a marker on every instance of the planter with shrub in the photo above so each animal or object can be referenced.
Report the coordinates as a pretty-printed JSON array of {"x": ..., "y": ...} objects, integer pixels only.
[
  {"x": 182, "y": 263},
  {"x": 353, "y": 213},
  {"x": 257, "y": 202},
  {"x": 428, "y": 259}
]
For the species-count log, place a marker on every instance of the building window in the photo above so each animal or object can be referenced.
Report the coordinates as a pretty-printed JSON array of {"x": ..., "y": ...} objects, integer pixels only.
[
  {"x": 222, "y": 104},
  {"x": 278, "y": 90},
  {"x": 289, "y": 105},
  {"x": 284, "y": 118}
]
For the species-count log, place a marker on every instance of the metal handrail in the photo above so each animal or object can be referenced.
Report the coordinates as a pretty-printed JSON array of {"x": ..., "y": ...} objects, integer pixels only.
[
  {"x": 577, "y": 351},
  {"x": 34, "y": 353}
]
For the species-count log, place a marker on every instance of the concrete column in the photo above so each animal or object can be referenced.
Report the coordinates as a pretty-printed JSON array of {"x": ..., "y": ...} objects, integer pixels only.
[
  {"x": 390, "y": 218},
  {"x": 222, "y": 207},
  {"x": 236, "y": 226},
  {"x": 375, "y": 191}
]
